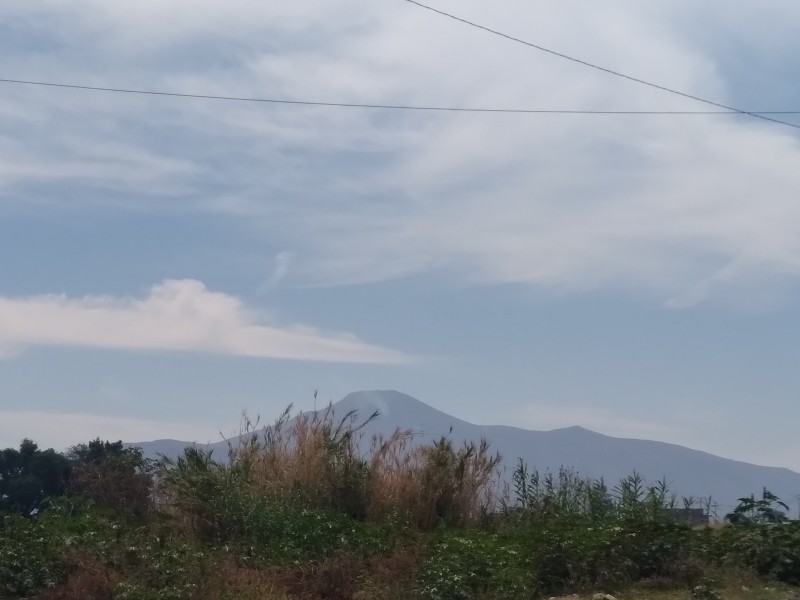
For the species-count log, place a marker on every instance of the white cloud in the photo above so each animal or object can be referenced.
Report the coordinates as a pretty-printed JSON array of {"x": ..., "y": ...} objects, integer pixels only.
[
  {"x": 180, "y": 315},
  {"x": 62, "y": 430},
  {"x": 684, "y": 208}
]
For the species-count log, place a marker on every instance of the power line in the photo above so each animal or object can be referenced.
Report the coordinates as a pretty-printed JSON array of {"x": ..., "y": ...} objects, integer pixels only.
[
  {"x": 601, "y": 68},
  {"x": 399, "y": 107}
]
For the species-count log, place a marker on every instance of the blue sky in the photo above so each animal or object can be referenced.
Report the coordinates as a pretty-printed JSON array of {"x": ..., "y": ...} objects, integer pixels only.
[{"x": 167, "y": 263}]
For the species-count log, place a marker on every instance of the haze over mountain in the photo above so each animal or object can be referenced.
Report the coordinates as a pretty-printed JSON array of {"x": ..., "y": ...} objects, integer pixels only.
[{"x": 689, "y": 472}]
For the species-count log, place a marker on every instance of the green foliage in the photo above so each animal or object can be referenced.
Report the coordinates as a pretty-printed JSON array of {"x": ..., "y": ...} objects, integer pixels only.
[
  {"x": 475, "y": 564},
  {"x": 40, "y": 553},
  {"x": 29, "y": 476},
  {"x": 572, "y": 552},
  {"x": 764, "y": 510},
  {"x": 579, "y": 534},
  {"x": 113, "y": 476},
  {"x": 770, "y": 550},
  {"x": 762, "y": 539},
  {"x": 29, "y": 558},
  {"x": 284, "y": 534},
  {"x": 157, "y": 572},
  {"x": 565, "y": 493},
  {"x": 705, "y": 590},
  {"x": 223, "y": 510}
]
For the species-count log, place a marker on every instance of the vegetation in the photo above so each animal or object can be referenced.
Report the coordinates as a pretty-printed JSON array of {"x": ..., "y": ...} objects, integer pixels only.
[{"x": 309, "y": 508}]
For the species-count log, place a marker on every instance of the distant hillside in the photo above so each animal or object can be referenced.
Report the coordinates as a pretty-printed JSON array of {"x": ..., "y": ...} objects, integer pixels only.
[{"x": 690, "y": 472}]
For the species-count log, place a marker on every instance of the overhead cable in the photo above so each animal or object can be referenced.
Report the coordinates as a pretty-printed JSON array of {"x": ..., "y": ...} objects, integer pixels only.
[
  {"x": 757, "y": 115},
  {"x": 399, "y": 107}
]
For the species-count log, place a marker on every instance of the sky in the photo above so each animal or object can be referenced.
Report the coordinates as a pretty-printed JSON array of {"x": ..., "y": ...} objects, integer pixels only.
[{"x": 167, "y": 263}]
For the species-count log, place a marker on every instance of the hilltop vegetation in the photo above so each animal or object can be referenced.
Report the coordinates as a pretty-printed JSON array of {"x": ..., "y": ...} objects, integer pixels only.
[{"x": 310, "y": 509}]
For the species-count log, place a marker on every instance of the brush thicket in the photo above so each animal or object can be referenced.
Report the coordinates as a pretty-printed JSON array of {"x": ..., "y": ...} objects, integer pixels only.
[{"x": 327, "y": 461}]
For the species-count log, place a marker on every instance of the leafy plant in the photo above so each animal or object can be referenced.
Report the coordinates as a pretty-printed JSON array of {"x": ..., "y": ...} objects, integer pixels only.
[
  {"x": 764, "y": 510},
  {"x": 475, "y": 564},
  {"x": 29, "y": 560}
]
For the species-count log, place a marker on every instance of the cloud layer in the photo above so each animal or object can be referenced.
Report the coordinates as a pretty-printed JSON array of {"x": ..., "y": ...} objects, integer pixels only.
[
  {"x": 177, "y": 315},
  {"x": 685, "y": 208}
]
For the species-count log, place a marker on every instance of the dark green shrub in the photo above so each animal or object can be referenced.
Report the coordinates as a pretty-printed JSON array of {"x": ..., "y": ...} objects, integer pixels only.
[
  {"x": 29, "y": 476},
  {"x": 475, "y": 564},
  {"x": 705, "y": 590},
  {"x": 111, "y": 475},
  {"x": 171, "y": 572},
  {"x": 769, "y": 550},
  {"x": 281, "y": 534},
  {"x": 217, "y": 506},
  {"x": 573, "y": 552},
  {"x": 29, "y": 558}
]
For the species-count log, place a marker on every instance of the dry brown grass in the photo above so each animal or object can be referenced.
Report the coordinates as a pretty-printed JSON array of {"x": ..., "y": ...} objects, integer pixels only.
[
  {"x": 232, "y": 581},
  {"x": 347, "y": 577},
  {"x": 225, "y": 581},
  {"x": 432, "y": 483},
  {"x": 326, "y": 461}
]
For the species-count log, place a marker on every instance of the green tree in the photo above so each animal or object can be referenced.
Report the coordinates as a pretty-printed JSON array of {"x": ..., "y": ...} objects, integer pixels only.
[
  {"x": 29, "y": 476},
  {"x": 112, "y": 475}
]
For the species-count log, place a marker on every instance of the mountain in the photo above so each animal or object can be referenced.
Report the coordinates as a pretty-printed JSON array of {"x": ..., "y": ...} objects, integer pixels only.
[{"x": 689, "y": 472}]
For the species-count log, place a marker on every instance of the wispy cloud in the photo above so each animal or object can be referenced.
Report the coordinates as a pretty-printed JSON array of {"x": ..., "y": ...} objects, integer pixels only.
[
  {"x": 178, "y": 315},
  {"x": 684, "y": 208},
  {"x": 280, "y": 268}
]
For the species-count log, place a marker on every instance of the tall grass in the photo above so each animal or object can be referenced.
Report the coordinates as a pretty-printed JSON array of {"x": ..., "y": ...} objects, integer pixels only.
[
  {"x": 324, "y": 461},
  {"x": 567, "y": 493}
]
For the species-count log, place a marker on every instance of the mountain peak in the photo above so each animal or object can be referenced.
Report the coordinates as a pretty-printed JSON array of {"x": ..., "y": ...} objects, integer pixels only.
[
  {"x": 577, "y": 430},
  {"x": 384, "y": 401},
  {"x": 571, "y": 428},
  {"x": 397, "y": 409}
]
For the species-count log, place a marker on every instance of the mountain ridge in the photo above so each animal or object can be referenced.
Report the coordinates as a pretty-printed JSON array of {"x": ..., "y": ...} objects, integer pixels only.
[{"x": 691, "y": 472}]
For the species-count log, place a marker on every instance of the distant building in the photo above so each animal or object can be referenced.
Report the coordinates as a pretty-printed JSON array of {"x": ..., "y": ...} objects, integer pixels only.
[{"x": 687, "y": 516}]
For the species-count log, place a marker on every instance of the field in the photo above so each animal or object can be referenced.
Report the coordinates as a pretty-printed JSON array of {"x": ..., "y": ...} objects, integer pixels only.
[{"x": 308, "y": 509}]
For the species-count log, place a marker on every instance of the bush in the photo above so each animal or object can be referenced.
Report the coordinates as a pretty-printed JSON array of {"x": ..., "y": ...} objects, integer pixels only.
[
  {"x": 770, "y": 550},
  {"x": 475, "y": 564},
  {"x": 705, "y": 590},
  {"x": 172, "y": 572},
  {"x": 111, "y": 475},
  {"x": 29, "y": 558}
]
